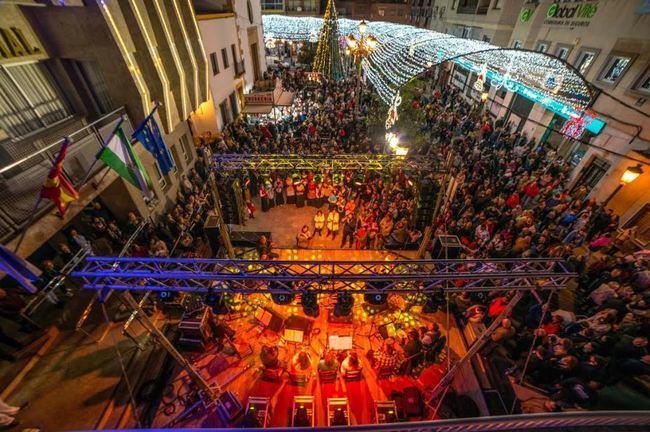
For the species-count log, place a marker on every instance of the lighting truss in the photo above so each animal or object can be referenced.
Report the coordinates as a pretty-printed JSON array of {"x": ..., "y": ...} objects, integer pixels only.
[
  {"x": 405, "y": 52},
  {"x": 372, "y": 277},
  {"x": 367, "y": 162}
]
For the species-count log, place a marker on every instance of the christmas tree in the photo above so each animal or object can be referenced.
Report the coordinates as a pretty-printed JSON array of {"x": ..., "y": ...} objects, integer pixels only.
[{"x": 328, "y": 54}]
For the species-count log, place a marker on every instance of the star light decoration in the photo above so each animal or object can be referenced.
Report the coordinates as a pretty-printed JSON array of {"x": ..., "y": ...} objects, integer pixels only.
[{"x": 404, "y": 52}]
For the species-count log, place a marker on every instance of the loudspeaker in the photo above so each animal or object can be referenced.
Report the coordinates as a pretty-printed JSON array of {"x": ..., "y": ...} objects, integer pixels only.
[
  {"x": 212, "y": 233},
  {"x": 426, "y": 202},
  {"x": 309, "y": 301}
]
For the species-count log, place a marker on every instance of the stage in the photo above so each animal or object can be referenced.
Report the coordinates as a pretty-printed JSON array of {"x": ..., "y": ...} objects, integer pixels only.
[{"x": 236, "y": 367}]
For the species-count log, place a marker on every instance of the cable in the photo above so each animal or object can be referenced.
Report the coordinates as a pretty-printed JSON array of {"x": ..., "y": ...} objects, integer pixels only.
[{"x": 124, "y": 374}]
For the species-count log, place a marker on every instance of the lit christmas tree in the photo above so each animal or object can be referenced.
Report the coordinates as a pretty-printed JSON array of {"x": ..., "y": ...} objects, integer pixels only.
[{"x": 328, "y": 55}]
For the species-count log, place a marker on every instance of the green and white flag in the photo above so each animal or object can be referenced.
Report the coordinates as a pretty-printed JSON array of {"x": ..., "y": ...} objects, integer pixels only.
[{"x": 120, "y": 156}]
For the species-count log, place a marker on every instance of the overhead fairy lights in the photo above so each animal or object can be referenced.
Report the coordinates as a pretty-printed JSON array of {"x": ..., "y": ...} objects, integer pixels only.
[{"x": 403, "y": 52}]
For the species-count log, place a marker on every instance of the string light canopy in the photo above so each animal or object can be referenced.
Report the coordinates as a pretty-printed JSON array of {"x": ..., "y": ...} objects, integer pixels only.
[{"x": 403, "y": 52}]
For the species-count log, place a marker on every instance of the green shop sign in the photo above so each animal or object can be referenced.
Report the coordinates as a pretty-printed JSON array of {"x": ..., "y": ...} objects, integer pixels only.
[
  {"x": 525, "y": 15},
  {"x": 570, "y": 14}
]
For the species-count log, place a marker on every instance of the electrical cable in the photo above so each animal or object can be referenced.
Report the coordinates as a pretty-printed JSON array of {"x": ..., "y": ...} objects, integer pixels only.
[{"x": 127, "y": 381}]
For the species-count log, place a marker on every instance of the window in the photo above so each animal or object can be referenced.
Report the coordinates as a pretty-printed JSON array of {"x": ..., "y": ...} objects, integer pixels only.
[
  {"x": 249, "y": 8},
  {"x": 234, "y": 104},
  {"x": 516, "y": 44},
  {"x": 542, "y": 47},
  {"x": 562, "y": 52},
  {"x": 614, "y": 69},
  {"x": 585, "y": 60},
  {"x": 643, "y": 84},
  {"x": 225, "y": 112},
  {"x": 467, "y": 33},
  {"x": 186, "y": 149},
  {"x": 162, "y": 182},
  {"x": 381, "y": 12},
  {"x": 175, "y": 159},
  {"x": 272, "y": 5},
  {"x": 234, "y": 53},
  {"x": 224, "y": 56},
  {"x": 29, "y": 101},
  {"x": 94, "y": 79},
  {"x": 214, "y": 61}
]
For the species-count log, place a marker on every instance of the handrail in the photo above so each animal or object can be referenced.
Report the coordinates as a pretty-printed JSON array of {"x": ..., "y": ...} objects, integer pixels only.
[
  {"x": 86, "y": 312},
  {"x": 587, "y": 421},
  {"x": 58, "y": 142}
]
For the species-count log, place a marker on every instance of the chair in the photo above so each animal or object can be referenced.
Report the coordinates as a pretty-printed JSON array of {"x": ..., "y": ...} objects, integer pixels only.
[
  {"x": 273, "y": 375},
  {"x": 353, "y": 375},
  {"x": 327, "y": 376}
]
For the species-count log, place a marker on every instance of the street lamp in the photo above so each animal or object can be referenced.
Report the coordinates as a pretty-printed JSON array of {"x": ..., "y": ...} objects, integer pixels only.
[
  {"x": 361, "y": 47},
  {"x": 630, "y": 174}
]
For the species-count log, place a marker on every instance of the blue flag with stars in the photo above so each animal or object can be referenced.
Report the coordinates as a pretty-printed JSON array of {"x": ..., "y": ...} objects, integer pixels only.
[{"x": 148, "y": 133}]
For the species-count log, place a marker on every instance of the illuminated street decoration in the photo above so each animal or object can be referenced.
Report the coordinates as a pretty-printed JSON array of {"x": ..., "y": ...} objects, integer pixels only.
[
  {"x": 404, "y": 52},
  {"x": 574, "y": 127}
]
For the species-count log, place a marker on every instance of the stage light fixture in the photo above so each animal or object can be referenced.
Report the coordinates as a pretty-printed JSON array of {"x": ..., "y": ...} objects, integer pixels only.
[
  {"x": 434, "y": 302},
  {"x": 280, "y": 298},
  {"x": 377, "y": 299},
  {"x": 309, "y": 303},
  {"x": 344, "y": 304}
]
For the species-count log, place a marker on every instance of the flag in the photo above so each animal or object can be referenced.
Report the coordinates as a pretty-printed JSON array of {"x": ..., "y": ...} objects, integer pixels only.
[
  {"x": 149, "y": 135},
  {"x": 122, "y": 158},
  {"x": 18, "y": 269},
  {"x": 57, "y": 188}
]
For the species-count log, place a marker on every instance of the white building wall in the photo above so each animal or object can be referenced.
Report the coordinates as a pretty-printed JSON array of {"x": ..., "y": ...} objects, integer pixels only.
[
  {"x": 217, "y": 34},
  {"x": 248, "y": 30}
]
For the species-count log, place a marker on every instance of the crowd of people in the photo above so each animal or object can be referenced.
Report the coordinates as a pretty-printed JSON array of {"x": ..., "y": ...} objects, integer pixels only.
[{"x": 512, "y": 201}]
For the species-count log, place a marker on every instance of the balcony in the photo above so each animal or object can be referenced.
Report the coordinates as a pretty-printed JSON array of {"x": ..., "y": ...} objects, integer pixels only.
[
  {"x": 240, "y": 69},
  {"x": 22, "y": 177}
]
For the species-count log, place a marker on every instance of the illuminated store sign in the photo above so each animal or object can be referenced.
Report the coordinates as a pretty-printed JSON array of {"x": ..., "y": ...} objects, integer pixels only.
[
  {"x": 570, "y": 14},
  {"x": 595, "y": 125}
]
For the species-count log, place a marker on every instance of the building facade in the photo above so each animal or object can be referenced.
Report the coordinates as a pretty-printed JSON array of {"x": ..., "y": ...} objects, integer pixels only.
[
  {"x": 76, "y": 69},
  {"x": 608, "y": 42},
  {"x": 234, "y": 46},
  {"x": 422, "y": 13},
  {"x": 293, "y": 7}
]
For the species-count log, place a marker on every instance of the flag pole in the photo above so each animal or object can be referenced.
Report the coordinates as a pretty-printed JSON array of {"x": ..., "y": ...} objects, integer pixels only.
[{"x": 92, "y": 165}]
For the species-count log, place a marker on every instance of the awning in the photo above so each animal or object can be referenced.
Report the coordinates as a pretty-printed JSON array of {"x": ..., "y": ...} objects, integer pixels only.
[
  {"x": 258, "y": 109},
  {"x": 285, "y": 99}
]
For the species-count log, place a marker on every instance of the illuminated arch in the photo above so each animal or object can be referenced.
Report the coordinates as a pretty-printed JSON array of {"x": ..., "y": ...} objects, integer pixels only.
[{"x": 404, "y": 52}]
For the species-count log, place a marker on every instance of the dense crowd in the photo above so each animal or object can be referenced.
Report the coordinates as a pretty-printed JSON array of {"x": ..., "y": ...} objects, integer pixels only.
[
  {"x": 366, "y": 211},
  {"x": 512, "y": 201}
]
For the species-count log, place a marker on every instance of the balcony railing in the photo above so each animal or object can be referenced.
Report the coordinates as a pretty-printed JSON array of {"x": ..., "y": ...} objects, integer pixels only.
[
  {"x": 22, "y": 179},
  {"x": 240, "y": 68}
]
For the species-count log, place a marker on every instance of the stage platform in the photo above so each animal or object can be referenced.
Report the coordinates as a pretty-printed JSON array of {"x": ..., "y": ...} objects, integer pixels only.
[{"x": 238, "y": 368}]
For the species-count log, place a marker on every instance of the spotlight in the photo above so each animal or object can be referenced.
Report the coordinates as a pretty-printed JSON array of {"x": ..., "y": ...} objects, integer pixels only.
[
  {"x": 377, "y": 299},
  {"x": 344, "y": 304},
  {"x": 280, "y": 298},
  {"x": 309, "y": 303}
]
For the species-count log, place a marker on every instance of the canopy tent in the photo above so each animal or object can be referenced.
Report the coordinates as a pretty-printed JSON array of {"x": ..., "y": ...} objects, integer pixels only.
[{"x": 405, "y": 52}]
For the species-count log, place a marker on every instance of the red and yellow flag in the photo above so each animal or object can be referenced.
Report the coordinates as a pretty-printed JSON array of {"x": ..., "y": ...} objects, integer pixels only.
[{"x": 57, "y": 188}]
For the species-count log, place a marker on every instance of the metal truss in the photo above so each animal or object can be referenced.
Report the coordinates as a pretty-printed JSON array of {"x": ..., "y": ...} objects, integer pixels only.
[
  {"x": 372, "y": 277},
  {"x": 367, "y": 162}
]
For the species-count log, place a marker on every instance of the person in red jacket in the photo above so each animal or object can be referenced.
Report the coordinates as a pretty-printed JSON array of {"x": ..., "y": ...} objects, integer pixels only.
[
  {"x": 531, "y": 190},
  {"x": 513, "y": 200}
]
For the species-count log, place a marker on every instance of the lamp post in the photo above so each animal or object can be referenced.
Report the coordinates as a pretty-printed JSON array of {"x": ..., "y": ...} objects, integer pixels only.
[
  {"x": 630, "y": 174},
  {"x": 360, "y": 48}
]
